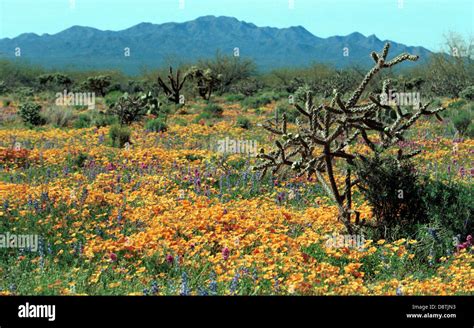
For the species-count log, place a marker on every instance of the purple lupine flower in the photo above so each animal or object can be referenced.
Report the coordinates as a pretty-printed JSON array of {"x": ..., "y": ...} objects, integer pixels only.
[
  {"x": 202, "y": 291},
  {"x": 184, "y": 285},
  {"x": 154, "y": 287},
  {"x": 213, "y": 284},
  {"x": 234, "y": 283}
]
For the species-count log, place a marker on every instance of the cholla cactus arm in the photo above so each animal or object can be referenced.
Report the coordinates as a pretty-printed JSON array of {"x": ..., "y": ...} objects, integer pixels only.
[{"x": 399, "y": 59}]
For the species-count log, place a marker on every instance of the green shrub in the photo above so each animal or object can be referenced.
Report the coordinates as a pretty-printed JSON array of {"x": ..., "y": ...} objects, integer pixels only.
[
  {"x": 203, "y": 116},
  {"x": 98, "y": 84},
  {"x": 243, "y": 122},
  {"x": 458, "y": 104},
  {"x": 470, "y": 131},
  {"x": 112, "y": 97},
  {"x": 156, "y": 125},
  {"x": 274, "y": 95},
  {"x": 119, "y": 135},
  {"x": 30, "y": 113},
  {"x": 462, "y": 120},
  {"x": 449, "y": 204},
  {"x": 213, "y": 110},
  {"x": 82, "y": 121},
  {"x": 467, "y": 93},
  {"x": 450, "y": 210},
  {"x": 24, "y": 93},
  {"x": 79, "y": 160},
  {"x": 291, "y": 112},
  {"x": 3, "y": 88},
  {"x": 59, "y": 116},
  {"x": 168, "y": 108},
  {"x": 180, "y": 121},
  {"x": 257, "y": 101},
  {"x": 233, "y": 98},
  {"x": 100, "y": 119},
  {"x": 248, "y": 87},
  {"x": 393, "y": 191}
]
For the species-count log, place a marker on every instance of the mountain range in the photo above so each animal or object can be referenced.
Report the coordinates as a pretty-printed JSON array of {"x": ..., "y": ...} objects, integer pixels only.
[{"x": 154, "y": 45}]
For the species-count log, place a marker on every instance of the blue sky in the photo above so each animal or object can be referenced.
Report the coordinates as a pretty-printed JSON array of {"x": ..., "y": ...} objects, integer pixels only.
[{"x": 413, "y": 22}]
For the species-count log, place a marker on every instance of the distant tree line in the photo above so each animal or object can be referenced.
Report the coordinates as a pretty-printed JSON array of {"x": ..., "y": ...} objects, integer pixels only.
[{"x": 448, "y": 73}]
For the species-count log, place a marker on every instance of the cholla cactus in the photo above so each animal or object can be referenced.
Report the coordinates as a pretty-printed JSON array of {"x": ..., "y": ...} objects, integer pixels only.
[
  {"x": 129, "y": 108},
  {"x": 327, "y": 130},
  {"x": 206, "y": 80},
  {"x": 176, "y": 84}
]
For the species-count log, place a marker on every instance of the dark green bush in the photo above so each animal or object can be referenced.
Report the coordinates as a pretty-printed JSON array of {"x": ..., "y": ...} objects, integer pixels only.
[
  {"x": 100, "y": 119},
  {"x": 156, "y": 125},
  {"x": 256, "y": 101},
  {"x": 233, "y": 98},
  {"x": 213, "y": 110},
  {"x": 393, "y": 191},
  {"x": 119, "y": 135},
  {"x": 243, "y": 122},
  {"x": 112, "y": 97},
  {"x": 470, "y": 131},
  {"x": 450, "y": 210},
  {"x": 3, "y": 88},
  {"x": 82, "y": 121},
  {"x": 467, "y": 93},
  {"x": 204, "y": 116},
  {"x": 30, "y": 113},
  {"x": 449, "y": 204},
  {"x": 462, "y": 119},
  {"x": 79, "y": 160}
]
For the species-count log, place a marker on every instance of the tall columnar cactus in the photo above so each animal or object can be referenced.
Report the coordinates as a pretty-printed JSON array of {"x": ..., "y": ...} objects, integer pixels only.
[
  {"x": 327, "y": 130},
  {"x": 176, "y": 84}
]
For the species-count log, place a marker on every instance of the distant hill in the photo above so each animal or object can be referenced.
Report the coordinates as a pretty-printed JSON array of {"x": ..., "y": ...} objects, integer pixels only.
[{"x": 153, "y": 45}]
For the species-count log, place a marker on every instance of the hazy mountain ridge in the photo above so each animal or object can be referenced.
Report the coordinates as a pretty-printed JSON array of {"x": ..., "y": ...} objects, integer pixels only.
[{"x": 153, "y": 45}]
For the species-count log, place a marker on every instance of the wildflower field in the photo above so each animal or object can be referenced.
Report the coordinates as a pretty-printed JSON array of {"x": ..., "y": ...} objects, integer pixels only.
[{"x": 171, "y": 213}]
